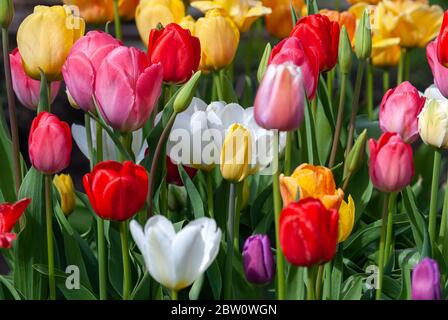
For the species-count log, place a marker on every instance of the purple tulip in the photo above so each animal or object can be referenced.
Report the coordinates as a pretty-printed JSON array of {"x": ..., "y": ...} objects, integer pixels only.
[
  {"x": 258, "y": 259},
  {"x": 426, "y": 281}
]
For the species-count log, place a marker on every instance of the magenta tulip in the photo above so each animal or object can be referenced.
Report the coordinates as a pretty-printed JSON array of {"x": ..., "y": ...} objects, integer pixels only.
[
  {"x": 280, "y": 100},
  {"x": 399, "y": 110},
  {"x": 79, "y": 71},
  {"x": 49, "y": 143},
  {"x": 27, "y": 89},
  {"x": 127, "y": 88},
  {"x": 439, "y": 72},
  {"x": 391, "y": 167}
]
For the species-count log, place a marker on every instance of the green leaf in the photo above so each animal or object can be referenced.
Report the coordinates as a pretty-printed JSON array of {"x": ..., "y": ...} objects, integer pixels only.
[
  {"x": 196, "y": 288},
  {"x": 193, "y": 193},
  {"x": 7, "y": 180},
  {"x": 228, "y": 91},
  {"x": 312, "y": 7},
  {"x": 214, "y": 278},
  {"x": 295, "y": 290},
  {"x": 337, "y": 274},
  {"x": 352, "y": 289},
  {"x": 416, "y": 219},
  {"x": 311, "y": 144},
  {"x": 10, "y": 286},
  {"x": 142, "y": 290},
  {"x": 264, "y": 62},
  {"x": 294, "y": 13},
  {"x": 354, "y": 246}
]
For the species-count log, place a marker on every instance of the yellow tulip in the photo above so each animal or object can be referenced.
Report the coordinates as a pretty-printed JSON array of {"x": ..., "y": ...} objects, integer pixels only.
[
  {"x": 219, "y": 39},
  {"x": 64, "y": 185},
  {"x": 188, "y": 23},
  {"x": 242, "y": 12},
  {"x": 363, "y": 1},
  {"x": 279, "y": 22},
  {"x": 45, "y": 38},
  {"x": 236, "y": 154},
  {"x": 346, "y": 219},
  {"x": 150, "y": 13},
  {"x": 312, "y": 182},
  {"x": 385, "y": 52}
]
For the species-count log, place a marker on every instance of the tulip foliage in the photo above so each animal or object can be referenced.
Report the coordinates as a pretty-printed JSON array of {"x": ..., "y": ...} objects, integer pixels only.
[{"x": 221, "y": 164}]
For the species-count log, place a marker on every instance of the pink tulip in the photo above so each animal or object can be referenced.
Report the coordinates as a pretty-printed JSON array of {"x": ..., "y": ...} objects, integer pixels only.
[
  {"x": 27, "y": 89},
  {"x": 127, "y": 88},
  {"x": 439, "y": 72},
  {"x": 291, "y": 50},
  {"x": 280, "y": 100},
  {"x": 391, "y": 167},
  {"x": 81, "y": 66},
  {"x": 399, "y": 110},
  {"x": 49, "y": 143}
]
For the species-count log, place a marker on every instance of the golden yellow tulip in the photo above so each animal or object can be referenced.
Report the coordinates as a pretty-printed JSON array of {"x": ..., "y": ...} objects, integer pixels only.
[
  {"x": 188, "y": 23},
  {"x": 45, "y": 38},
  {"x": 346, "y": 219},
  {"x": 219, "y": 39},
  {"x": 385, "y": 52},
  {"x": 236, "y": 154},
  {"x": 312, "y": 182},
  {"x": 150, "y": 13},
  {"x": 242, "y": 12},
  {"x": 64, "y": 185},
  {"x": 279, "y": 22}
]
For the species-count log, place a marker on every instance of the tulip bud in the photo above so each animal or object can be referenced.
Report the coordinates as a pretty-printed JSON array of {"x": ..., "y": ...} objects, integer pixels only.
[
  {"x": 236, "y": 154},
  {"x": 264, "y": 62},
  {"x": 186, "y": 93},
  {"x": 433, "y": 123},
  {"x": 426, "y": 281},
  {"x": 258, "y": 260},
  {"x": 345, "y": 52},
  {"x": 346, "y": 219},
  {"x": 355, "y": 157},
  {"x": 66, "y": 189},
  {"x": 6, "y": 13},
  {"x": 363, "y": 37},
  {"x": 177, "y": 197}
]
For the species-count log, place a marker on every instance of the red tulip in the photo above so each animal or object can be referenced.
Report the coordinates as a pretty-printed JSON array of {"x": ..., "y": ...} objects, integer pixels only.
[
  {"x": 442, "y": 45},
  {"x": 117, "y": 191},
  {"x": 9, "y": 215},
  {"x": 439, "y": 72},
  {"x": 391, "y": 167},
  {"x": 308, "y": 232},
  {"x": 49, "y": 143},
  {"x": 399, "y": 110},
  {"x": 291, "y": 50},
  {"x": 318, "y": 32},
  {"x": 172, "y": 172},
  {"x": 177, "y": 50}
]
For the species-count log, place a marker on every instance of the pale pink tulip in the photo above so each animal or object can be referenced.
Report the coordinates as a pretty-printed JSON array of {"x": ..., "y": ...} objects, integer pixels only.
[{"x": 439, "y": 72}]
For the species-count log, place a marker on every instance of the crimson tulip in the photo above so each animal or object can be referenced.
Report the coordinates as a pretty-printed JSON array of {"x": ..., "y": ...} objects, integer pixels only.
[
  {"x": 308, "y": 232},
  {"x": 291, "y": 50},
  {"x": 117, "y": 191},
  {"x": 439, "y": 72},
  {"x": 442, "y": 44},
  {"x": 177, "y": 50},
  {"x": 318, "y": 32},
  {"x": 80, "y": 68},
  {"x": 391, "y": 167},
  {"x": 49, "y": 143},
  {"x": 399, "y": 110},
  {"x": 9, "y": 215}
]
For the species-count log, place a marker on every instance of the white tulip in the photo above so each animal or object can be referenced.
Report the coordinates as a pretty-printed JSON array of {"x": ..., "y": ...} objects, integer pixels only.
[
  {"x": 433, "y": 123},
  {"x": 173, "y": 259},
  {"x": 432, "y": 92}
]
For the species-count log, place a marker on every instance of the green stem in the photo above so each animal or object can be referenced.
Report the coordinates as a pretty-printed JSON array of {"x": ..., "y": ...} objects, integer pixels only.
[
  {"x": 327, "y": 280},
  {"x": 310, "y": 294},
  {"x": 370, "y": 90},
  {"x": 174, "y": 295},
  {"x": 210, "y": 200},
  {"x": 320, "y": 275},
  {"x": 239, "y": 202},
  {"x": 126, "y": 263},
  {"x": 99, "y": 143},
  {"x": 382, "y": 246},
  {"x": 288, "y": 152},
  {"x": 389, "y": 230},
  {"x": 339, "y": 121},
  {"x": 401, "y": 64},
  {"x": 314, "y": 108},
  {"x": 50, "y": 250},
  {"x": 230, "y": 237},
  {"x": 330, "y": 79},
  {"x": 88, "y": 129},
  {"x": 277, "y": 210},
  {"x": 434, "y": 193},
  {"x": 407, "y": 65},
  {"x": 386, "y": 80},
  {"x": 117, "y": 21},
  {"x": 12, "y": 112},
  {"x": 218, "y": 85},
  {"x": 355, "y": 106},
  {"x": 443, "y": 223}
]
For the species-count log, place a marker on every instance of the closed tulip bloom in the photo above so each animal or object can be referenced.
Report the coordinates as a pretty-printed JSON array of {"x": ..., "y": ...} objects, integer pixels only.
[
  {"x": 311, "y": 182},
  {"x": 258, "y": 260},
  {"x": 442, "y": 44},
  {"x": 280, "y": 100},
  {"x": 9, "y": 215},
  {"x": 27, "y": 89},
  {"x": 127, "y": 88},
  {"x": 176, "y": 260},
  {"x": 66, "y": 189},
  {"x": 219, "y": 39},
  {"x": 291, "y": 50},
  {"x": 433, "y": 123},
  {"x": 399, "y": 111},
  {"x": 279, "y": 21},
  {"x": 116, "y": 191},
  {"x": 150, "y": 13},
  {"x": 177, "y": 50},
  {"x": 45, "y": 38},
  {"x": 49, "y": 143},
  {"x": 439, "y": 71},
  {"x": 308, "y": 232},
  {"x": 344, "y": 18},
  {"x": 6, "y": 13},
  {"x": 318, "y": 32},
  {"x": 82, "y": 64},
  {"x": 346, "y": 219},
  {"x": 426, "y": 280},
  {"x": 391, "y": 165}
]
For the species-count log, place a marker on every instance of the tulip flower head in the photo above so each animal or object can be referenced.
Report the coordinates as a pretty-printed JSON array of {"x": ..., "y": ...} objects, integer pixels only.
[
  {"x": 391, "y": 165},
  {"x": 439, "y": 71},
  {"x": 344, "y": 18},
  {"x": 258, "y": 260},
  {"x": 346, "y": 219},
  {"x": 116, "y": 191},
  {"x": 9, "y": 215},
  {"x": 66, "y": 189},
  {"x": 308, "y": 232},
  {"x": 426, "y": 281},
  {"x": 279, "y": 21},
  {"x": 442, "y": 44},
  {"x": 386, "y": 52},
  {"x": 102, "y": 11},
  {"x": 433, "y": 123},
  {"x": 6, "y": 13},
  {"x": 176, "y": 260}
]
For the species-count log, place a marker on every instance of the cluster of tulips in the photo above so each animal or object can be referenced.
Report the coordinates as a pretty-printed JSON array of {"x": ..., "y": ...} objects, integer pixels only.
[{"x": 189, "y": 186}]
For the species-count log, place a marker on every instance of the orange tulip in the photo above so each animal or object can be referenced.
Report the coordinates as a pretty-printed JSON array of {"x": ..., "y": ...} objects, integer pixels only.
[
  {"x": 279, "y": 22},
  {"x": 345, "y": 18}
]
